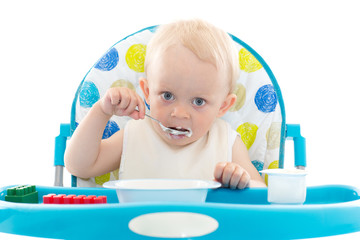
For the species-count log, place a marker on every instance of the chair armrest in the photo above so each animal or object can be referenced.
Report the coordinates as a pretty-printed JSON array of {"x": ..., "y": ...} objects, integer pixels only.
[
  {"x": 60, "y": 146},
  {"x": 293, "y": 133}
]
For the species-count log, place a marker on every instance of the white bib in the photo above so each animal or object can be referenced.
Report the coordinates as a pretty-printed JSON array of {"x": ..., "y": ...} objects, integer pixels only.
[{"x": 146, "y": 155}]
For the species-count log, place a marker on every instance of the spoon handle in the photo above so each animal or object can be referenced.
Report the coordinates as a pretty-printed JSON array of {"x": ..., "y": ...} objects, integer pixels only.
[{"x": 152, "y": 118}]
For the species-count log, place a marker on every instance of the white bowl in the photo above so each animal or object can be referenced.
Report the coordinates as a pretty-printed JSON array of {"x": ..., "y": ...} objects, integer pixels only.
[
  {"x": 174, "y": 190},
  {"x": 286, "y": 186}
]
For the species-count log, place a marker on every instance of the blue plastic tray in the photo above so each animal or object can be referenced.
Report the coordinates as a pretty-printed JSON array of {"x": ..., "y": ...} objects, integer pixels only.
[{"x": 241, "y": 214}]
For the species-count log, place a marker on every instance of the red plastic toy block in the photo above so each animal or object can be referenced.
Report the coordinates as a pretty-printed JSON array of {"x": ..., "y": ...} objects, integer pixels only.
[
  {"x": 48, "y": 199},
  {"x": 69, "y": 199},
  {"x": 73, "y": 199}
]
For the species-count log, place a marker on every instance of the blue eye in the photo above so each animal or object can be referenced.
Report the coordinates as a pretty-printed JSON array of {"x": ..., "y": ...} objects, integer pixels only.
[
  {"x": 199, "y": 102},
  {"x": 167, "y": 96}
]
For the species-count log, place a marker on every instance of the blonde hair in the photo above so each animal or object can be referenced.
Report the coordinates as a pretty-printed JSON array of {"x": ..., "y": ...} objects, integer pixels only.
[{"x": 206, "y": 41}]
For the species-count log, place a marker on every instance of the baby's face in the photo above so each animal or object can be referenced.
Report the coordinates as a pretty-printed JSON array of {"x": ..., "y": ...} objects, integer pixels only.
[{"x": 184, "y": 92}]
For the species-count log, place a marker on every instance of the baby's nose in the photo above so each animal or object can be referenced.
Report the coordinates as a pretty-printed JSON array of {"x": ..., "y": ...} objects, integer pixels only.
[{"x": 180, "y": 111}]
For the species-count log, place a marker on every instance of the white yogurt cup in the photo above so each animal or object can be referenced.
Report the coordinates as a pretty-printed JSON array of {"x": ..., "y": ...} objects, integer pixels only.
[{"x": 286, "y": 186}]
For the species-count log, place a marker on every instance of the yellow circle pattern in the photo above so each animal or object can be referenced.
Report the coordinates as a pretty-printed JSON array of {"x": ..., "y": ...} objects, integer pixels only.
[
  {"x": 116, "y": 174},
  {"x": 248, "y": 133},
  {"x": 273, "y": 165},
  {"x": 123, "y": 83},
  {"x": 100, "y": 180},
  {"x": 135, "y": 57},
  {"x": 240, "y": 93},
  {"x": 248, "y": 62},
  {"x": 273, "y": 135}
]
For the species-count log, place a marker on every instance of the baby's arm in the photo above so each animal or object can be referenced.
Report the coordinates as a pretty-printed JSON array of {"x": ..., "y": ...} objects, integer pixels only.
[
  {"x": 87, "y": 155},
  {"x": 240, "y": 173}
]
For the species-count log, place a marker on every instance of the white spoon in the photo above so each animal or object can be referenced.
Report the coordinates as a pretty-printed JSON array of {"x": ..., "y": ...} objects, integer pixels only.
[{"x": 187, "y": 133}]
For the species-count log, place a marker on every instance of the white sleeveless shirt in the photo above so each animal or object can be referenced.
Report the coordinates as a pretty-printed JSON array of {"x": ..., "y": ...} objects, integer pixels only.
[{"x": 146, "y": 155}]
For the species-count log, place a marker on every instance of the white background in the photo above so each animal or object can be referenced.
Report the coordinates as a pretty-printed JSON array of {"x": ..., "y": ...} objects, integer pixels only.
[{"x": 47, "y": 47}]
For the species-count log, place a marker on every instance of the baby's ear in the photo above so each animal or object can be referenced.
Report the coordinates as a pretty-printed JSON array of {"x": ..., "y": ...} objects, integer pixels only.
[
  {"x": 227, "y": 104},
  {"x": 144, "y": 85}
]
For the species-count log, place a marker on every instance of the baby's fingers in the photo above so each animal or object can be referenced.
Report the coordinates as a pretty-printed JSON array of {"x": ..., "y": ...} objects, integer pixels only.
[
  {"x": 131, "y": 104},
  {"x": 121, "y": 98},
  {"x": 235, "y": 177},
  {"x": 227, "y": 174},
  {"x": 219, "y": 168},
  {"x": 231, "y": 175},
  {"x": 244, "y": 180},
  {"x": 128, "y": 103},
  {"x": 109, "y": 102},
  {"x": 140, "y": 112}
]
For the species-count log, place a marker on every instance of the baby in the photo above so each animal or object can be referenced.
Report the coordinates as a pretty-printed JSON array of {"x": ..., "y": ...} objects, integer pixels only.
[{"x": 191, "y": 68}]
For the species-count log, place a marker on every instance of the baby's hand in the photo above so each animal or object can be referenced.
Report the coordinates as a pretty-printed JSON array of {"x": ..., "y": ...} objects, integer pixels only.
[
  {"x": 122, "y": 101},
  {"x": 231, "y": 175}
]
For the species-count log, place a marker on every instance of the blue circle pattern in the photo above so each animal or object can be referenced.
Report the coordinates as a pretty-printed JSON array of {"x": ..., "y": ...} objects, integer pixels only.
[
  {"x": 258, "y": 165},
  {"x": 89, "y": 94},
  {"x": 266, "y": 99},
  {"x": 110, "y": 129},
  {"x": 108, "y": 61}
]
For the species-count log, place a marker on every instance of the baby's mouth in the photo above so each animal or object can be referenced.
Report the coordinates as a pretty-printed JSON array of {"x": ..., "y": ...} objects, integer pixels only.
[
  {"x": 180, "y": 129},
  {"x": 184, "y": 131}
]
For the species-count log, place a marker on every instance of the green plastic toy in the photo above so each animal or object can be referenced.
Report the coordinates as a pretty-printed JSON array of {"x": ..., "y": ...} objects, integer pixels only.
[{"x": 22, "y": 194}]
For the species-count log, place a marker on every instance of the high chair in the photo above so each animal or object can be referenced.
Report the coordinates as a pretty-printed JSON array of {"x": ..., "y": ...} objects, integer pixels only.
[
  {"x": 259, "y": 117},
  {"x": 258, "y": 114}
]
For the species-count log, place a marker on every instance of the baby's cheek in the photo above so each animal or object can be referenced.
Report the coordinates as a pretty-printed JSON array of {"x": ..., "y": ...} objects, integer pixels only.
[{"x": 201, "y": 127}]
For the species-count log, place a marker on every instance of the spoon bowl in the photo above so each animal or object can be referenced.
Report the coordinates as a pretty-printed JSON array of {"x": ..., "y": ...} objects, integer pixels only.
[{"x": 187, "y": 133}]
